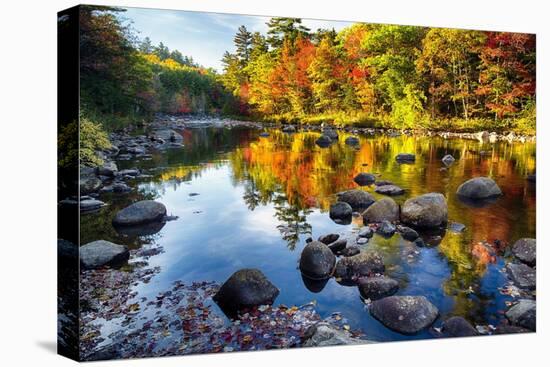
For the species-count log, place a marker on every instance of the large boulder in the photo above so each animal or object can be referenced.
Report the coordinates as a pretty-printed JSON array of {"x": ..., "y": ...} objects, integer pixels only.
[
  {"x": 364, "y": 179},
  {"x": 341, "y": 211},
  {"x": 523, "y": 314},
  {"x": 357, "y": 199},
  {"x": 103, "y": 253},
  {"x": 89, "y": 184},
  {"x": 383, "y": 209},
  {"x": 408, "y": 233},
  {"x": 317, "y": 260},
  {"x": 522, "y": 275},
  {"x": 457, "y": 326},
  {"x": 404, "y": 314},
  {"x": 525, "y": 250},
  {"x": 323, "y": 334},
  {"x": 245, "y": 288},
  {"x": 142, "y": 212},
  {"x": 425, "y": 211},
  {"x": 479, "y": 188},
  {"x": 390, "y": 190},
  {"x": 374, "y": 288},
  {"x": 363, "y": 264}
]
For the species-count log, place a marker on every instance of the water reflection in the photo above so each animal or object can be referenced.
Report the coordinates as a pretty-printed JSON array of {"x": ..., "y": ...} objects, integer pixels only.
[{"x": 261, "y": 197}]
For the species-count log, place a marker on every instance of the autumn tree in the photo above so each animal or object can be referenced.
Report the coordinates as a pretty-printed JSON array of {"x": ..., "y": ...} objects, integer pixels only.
[{"x": 507, "y": 73}]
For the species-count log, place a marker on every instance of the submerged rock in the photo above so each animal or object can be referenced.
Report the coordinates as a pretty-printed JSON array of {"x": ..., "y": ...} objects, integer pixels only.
[
  {"x": 352, "y": 140},
  {"x": 523, "y": 314},
  {"x": 404, "y": 314},
  {"x": 479, "y": 188},
  {"x": 364, "y": 179},
  {"x": 374, "y": 288},
  {"x": 340, "y": 210},
  {"x": 90, "y": 205},
  {"x": 385, "y": 209},
  {"x": 525, "y": 250},
  {"x": 324, "y": 334},
  {"x": 142, "y": 212},
  {"x": 522, "y": 275},
  {"x": 456, "y": 227},
  {"x": 103, "y": 253},
  {"x": 317, "y": 260},
  {"x": 457, "y": 326},
  {"x": 246, "y": 288},
  {"x": 361, "y": 265},
  {"x": 357, "y": 199},
  {"x": 405, "y": 158},
  {"x": 390, "y": 190},
  {"x": 349, "y": 251},
  {"x": 428, "y": 210}
]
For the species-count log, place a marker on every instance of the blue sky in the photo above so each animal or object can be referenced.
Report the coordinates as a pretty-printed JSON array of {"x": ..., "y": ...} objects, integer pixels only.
[{"x": 204, "y": 36}]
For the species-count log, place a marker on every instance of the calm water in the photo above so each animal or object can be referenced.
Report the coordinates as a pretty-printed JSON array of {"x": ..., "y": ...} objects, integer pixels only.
[{"x": 260, "y": 198}]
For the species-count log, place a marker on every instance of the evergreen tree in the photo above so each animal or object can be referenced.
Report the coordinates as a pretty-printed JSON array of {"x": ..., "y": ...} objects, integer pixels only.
[
  {"x": 281, "y": 29},
  {"x": 243, "y": 42}
]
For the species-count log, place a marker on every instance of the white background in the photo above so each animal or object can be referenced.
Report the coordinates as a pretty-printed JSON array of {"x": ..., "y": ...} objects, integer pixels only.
[{"x": 28, "y": 182}]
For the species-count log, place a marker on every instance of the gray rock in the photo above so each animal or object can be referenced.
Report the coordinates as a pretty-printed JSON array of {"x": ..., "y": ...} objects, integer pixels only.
[
  {"x": 390, "y": 190},
  {"x": 361, "y": 265},
  {"x": 324, "y": 334},
  {"x": 374, "y": 288},
  {"x": 479, "y": 188},
  {"x": 90, "y": 205},
  {"x": 89, "y": 184},
  {"x": 428, "y": 210},
  {"x": 323, "y": 141},
  {"x": 525, "y": 250},
  {"x": 328, "y": 238},
  {"x": 246, "y": 288},
  {"x": 108, "y": 169},
  {"x": 405, "y": 158},
  {"x": 338, "y": 246},
  {"x": 121, "y": 187},
  {"x": 419, "y": 242},
  {"x": 366, "y": 232},
  {"x": 331, "y": 134},
  {"x": 357, "y": 199},
  {"x": 522, "y": 275},
  {"x": 142, "y": 212},
  {"x": 362, "y": 240},
  {"x": 128, "y": 172},
  {"x": 404, "y": 314},
  {"x": 510, "y": 329},
  {"x": 386, "y": 229},
  {"x": 103, "y": 253},
  {"x": 385, "y": 209},
  {"x": 264, "y": 134},
  {"x": 340, "y": 210},
  {"x": 352, "y": 141},
  {"x": 448, "y": 160},
  {"x": 349, "y": 251},
  {"x": 168, "y": 135},
  {"x": 364, "y": 179},
  {"x": 457, "y": 326},
  {"x": 407, "y": 233},
  {"x": 289, "y": 129},
  {"x": 317, "y": 260},
  {"x": 523, "y": 314}
]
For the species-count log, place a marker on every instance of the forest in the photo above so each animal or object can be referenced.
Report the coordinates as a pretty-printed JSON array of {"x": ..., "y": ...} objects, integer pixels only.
[{"x": 366, "y": 75}]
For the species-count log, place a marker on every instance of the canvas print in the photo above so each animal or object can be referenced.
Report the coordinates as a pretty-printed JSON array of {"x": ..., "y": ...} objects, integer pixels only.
[{"x": 243, "y": 183}]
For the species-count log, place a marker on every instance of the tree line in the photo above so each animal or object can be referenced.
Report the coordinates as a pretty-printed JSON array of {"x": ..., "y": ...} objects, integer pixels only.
[
  {"x": 124, "y": 80},
  {"x": 390, "y": 75}
]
